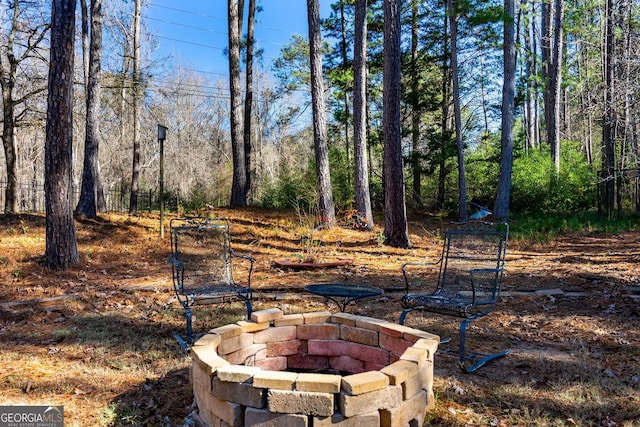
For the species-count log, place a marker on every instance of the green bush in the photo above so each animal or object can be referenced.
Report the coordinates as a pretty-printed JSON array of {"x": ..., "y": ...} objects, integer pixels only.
[
  {"x": 286, "y": 190},
  {"x": 536, "y": 188}
]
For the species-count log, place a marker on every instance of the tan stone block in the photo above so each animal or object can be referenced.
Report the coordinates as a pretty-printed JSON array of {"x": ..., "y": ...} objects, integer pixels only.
[
  {"x": 344, "y": 319},
  {"x": 419, "y": 356},
  {"x": 252, "y": 326},
  {"x": 201, "y": 389},
  {"x": 241, "y": 393},
  {"x": 399, "y": 371},
  {"x": 410, "y": 412},
  {"x": 395, "y": 330},
  {"x": 229, "y": 412},
  {"x": 277, "y": 380},
  {"x": 417, "y": 382},
  {"x": 227, "y": 331},
  {"x": 316, "y": 317},
  {"x": 266, "y": 315},
  {"x": 209, "y": 418},
  {"x": 371, "y": 419},
  {"x": 431, "y": 345},
  {"x": 320, "y": 331},
  {"x": 207, "y": 358},
  {"x": 370, "y": 323},
  {"x": 289, "y": 320},
  {"x": 321, "y": 383},
  {"x": 237, "y": 373},
  {"x": 364, "y": 382},
  {"x": 389, "y": 397},
  {"x": 248, "y": 355},
  {"x": 300, "y": 402},
  {"x": 275, "y": 334},
  {"x": 235, "y": 343},
  {"x": 208, "y": 340},
  {"x": 265, "y": 418},
  {"x": 200, "y": 375},
  {"x": 359, "y": 335},
  {"x": 414, "y": 335}
]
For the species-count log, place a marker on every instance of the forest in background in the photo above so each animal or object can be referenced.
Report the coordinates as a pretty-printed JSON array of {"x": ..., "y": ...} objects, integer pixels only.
[{"x": 575, "y": 148}]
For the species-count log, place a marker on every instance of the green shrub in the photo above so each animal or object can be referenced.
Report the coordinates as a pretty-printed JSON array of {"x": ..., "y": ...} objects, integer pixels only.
[{"x": 536, "y": 188}]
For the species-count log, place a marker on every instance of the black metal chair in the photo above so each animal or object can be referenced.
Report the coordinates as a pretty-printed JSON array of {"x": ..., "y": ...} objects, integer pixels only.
[
  {"x": 202, "y": 266},
  {"x": 470, "y": 271}
]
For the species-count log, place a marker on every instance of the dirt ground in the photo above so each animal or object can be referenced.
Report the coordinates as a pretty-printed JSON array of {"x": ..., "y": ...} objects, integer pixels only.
[{"x": 98, "y": 338}]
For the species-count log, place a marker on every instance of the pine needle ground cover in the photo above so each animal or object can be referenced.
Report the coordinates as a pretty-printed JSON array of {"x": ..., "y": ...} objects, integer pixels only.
[{"x": 98, "y": 339}]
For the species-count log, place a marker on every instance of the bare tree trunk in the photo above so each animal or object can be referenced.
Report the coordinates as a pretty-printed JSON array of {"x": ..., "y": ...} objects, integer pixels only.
[
  {"x": 552, "y": 67},
  {"x": 325, "y": 196},
  {"x": 91, "y": 194},
  {"x": 446, "y": 110},
  {"x": 61, "y": 247},
  {"x": 137, "y": 92},
  {"x": 248, "y": 100},
  {"x": 529, "y": 115},
  {"x": 462, "y": 182},
  {"x": 345, "y": 61},
  {"x": 85, "y": 41},
  {"x": 395, "y": 211},
  {"x": 415, "y": 109},
  {"x": 501, "y": 208},
  {"x": 608, "y": 141},
  {"x": 239, "y": 183},
  {"x": 362, "y": 196}
]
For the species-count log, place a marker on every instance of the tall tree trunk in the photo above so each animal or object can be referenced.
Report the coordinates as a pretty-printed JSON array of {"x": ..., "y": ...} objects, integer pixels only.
[
  {"x": 84, "y": 12},
  {"x": 395, "y": 211},
  {"x": 558, "y": 38},
  {"x": 608, "y": 140},
  {"x": 10, "y": 62},
  {"x": 445, "y": 110},
  {"x": 91, "y": 194},
  {"x": 325, "y": 197},
  {"x": 415, "y": 109},
  {"x": 248, "y": 100},
  {"x": 8, "y": 82},
  {"x": 501, "y": 208},
  {"x": 552, "y": 67},
  {"x": 462, "y": 182},
  {"x": 61, "y": 250},
  {"x": 361, "y": 167},
  {"x": 137, "y": 103},
  {"x": 239, "y": 183},
  {"x": 529, "y": 116},
  {"x": 345, "y": 61}
]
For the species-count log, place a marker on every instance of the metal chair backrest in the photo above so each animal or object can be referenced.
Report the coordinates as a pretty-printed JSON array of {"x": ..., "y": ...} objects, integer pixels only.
[
  {"x": 473, "y": 261},
  {"x": 201, "y": 254}
]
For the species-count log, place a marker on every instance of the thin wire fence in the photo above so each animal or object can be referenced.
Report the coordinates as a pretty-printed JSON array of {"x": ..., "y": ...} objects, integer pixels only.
[{"x": 31, "y": 198}]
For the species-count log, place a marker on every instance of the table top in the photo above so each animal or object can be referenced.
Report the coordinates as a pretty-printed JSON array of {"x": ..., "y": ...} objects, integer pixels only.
[{"x": 343, "y": 290}]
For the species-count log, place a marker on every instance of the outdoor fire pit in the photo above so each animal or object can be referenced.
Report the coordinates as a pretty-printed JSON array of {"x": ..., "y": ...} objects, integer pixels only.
[{"x": 317, "y": 369}]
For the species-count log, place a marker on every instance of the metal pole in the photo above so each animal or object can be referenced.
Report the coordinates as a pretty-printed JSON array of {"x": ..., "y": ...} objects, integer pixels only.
[
  {"x": 162, "y": 133},
  {"x": 162, "y": 189}
]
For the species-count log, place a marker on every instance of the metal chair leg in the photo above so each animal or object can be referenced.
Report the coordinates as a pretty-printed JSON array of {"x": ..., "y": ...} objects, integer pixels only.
[
  {"x": 463, "y": 352},
  {"x": 403, "y": 315}
]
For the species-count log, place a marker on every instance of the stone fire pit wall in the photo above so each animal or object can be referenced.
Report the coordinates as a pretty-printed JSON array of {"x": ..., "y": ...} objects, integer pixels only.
[{"x": 262, "y": 372}]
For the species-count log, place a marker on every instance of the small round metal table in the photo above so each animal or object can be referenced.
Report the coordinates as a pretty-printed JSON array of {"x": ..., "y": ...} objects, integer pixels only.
[{"x": 342, "y": 293}]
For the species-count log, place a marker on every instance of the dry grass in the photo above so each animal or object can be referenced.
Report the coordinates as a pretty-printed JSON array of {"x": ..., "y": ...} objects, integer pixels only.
[{"x": 98, "y": 340}]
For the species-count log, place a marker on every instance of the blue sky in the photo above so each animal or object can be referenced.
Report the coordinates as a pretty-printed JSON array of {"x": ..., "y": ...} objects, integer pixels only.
[{"x": 195, "y": 31}]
